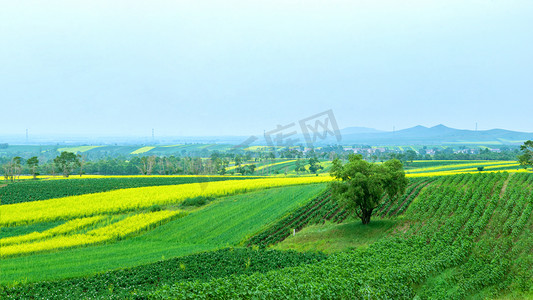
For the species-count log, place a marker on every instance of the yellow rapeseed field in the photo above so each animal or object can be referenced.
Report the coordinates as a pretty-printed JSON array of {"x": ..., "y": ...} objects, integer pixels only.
[
  {"x": 456, "y": 166},
  {"x": 275, "y": 164},
  {"x": 490, "y": 167},
  {"x": 446, "y": 173},
  {"x": 142, "y": 150},
  {"x": 115, "y": 231},
  {"x": 68, "y": 227},
  {"x": 134, "y": 198}
]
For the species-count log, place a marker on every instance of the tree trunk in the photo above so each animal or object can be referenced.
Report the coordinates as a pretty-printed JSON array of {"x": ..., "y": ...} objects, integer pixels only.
[{"x": 365, "y": 216}]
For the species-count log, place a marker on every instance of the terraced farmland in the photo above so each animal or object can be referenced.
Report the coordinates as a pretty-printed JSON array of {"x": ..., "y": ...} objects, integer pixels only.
[{"x": 466, "y": 235}]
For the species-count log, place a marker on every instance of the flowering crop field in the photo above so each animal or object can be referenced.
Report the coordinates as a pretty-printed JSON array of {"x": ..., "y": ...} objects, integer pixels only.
[
  {"x": 128, "y": 242},
  {"x": 443, "y": 168},
  {"x": 112, "y": 232},
  {"x": 134, "y": 199},
  {"x": 142, "y": 150},
  {"x": 463, "y": 166},
  {"x": 34, "y": 190},
  {"x": 276, "y": 164},
  {"x": 65, "y": 228}
]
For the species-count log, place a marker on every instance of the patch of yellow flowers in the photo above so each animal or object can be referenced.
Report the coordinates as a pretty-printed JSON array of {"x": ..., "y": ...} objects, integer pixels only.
[
  {"x": 455, "y": 167},
  {"x": 115, "y": 231},
  {"x": 135, "y": 198},
  {"x": 68, "y": 227}
]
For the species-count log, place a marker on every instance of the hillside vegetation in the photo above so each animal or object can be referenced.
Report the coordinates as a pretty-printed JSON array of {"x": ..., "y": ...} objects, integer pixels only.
[{"x": 463, "y": 236}]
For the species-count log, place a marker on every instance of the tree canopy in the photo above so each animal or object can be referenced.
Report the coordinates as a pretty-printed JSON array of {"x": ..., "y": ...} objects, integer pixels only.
[
  {"x": 32, "y": 163},
  {"x": 66, "y": 162},
  {"x": 360, "y": 185},
  {"x": 526, "y": 159}
]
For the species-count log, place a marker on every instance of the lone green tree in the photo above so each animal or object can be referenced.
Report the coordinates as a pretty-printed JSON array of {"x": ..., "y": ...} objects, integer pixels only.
[
  {"x": 299, "y": 167},
  {"x": 360, "y": 185},
  {"x": 526, "y": 159},
  {"x": 33, "y": 163},
  {"x": 66, "y": 162},
  {"x": 314, "y": 165}
]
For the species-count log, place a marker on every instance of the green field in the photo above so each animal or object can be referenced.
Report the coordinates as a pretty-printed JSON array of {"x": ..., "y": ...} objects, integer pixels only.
[
  {"x": 463, "y": 236},
  {"x": 458, "y": 239},
  {"x": 139, "y": 281},
  {"x": 221, "y": 224}
]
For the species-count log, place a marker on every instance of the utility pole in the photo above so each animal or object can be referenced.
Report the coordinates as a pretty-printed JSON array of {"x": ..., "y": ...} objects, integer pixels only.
[
  {"x": 476, "y": 126},
  {"x": 153, "y": 135}
]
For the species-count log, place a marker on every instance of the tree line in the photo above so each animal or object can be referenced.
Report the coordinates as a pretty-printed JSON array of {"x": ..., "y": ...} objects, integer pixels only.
[{"x": 245, "y": 162}]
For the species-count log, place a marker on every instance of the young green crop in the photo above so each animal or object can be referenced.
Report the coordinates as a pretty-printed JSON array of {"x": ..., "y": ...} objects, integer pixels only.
[
  {"x": 464, "y": 235},
  {"x": 126, "y": 283}
]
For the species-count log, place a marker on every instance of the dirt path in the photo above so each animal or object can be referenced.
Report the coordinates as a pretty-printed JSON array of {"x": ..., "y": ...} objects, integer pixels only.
[{"x": 504, "y": 187}]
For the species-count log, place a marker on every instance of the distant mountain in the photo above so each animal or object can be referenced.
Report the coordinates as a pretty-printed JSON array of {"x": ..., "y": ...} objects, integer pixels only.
[
  {"x": 358, "y": 130},
  {"x": 421, "y": 135},
  {"x": 439, "y": 134}
]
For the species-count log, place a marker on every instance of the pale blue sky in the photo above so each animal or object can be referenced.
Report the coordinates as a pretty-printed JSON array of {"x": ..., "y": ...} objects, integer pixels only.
[{"x": 241, "y": 67}]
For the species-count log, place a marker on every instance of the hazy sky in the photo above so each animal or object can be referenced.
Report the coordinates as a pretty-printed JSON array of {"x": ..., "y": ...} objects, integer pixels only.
[{"x": 241, "y": 67}]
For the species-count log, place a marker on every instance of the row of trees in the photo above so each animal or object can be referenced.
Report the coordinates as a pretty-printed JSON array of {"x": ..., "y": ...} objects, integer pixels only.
[{"x": 66, "y": 162}]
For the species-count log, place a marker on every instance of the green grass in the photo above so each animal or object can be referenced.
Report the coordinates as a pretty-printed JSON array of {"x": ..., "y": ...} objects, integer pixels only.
[
  {"x": 222, "y": 223},
  {"x": 21, "y": 230},
  {"x": 331, "y": 237}
]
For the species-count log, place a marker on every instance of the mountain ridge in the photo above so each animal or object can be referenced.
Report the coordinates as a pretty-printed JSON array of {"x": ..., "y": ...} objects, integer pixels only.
[{"x": 438, "y": 134}]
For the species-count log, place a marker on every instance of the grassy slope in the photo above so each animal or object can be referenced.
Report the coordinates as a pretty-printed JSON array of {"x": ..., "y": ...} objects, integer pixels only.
[
  {"x": 332, "y": 237},
  {"x": 223, "y": 223}
]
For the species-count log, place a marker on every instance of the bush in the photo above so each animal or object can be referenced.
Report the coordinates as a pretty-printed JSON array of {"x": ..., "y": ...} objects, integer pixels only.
[{"x": 197, "y": 201}]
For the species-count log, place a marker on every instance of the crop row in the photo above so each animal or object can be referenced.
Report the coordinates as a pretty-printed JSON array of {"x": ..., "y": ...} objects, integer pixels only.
[
  {"x": 112, "y": 232},
  {"x": 316, "y": 211},
  {"x": 461, "y": 233},
  {"x": 324, "y": 208},
  {"x": 30, "y": 190},
  {"x": 135, "y": 198},
  {"x": 395, "y": 206},
  {"x": 137, "y": 281}
]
